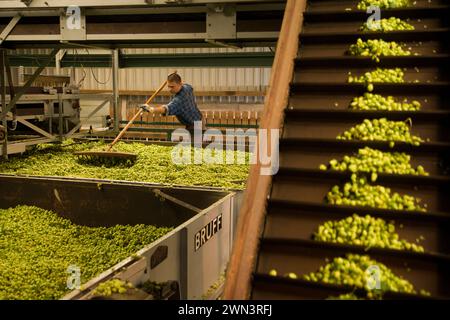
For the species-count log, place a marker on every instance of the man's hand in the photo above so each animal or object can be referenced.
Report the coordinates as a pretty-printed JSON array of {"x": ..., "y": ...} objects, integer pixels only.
[{"x": 146, "y": 107}]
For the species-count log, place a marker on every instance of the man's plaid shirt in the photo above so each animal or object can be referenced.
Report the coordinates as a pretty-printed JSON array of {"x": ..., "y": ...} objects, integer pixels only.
[{"x": 184, "y": 107}]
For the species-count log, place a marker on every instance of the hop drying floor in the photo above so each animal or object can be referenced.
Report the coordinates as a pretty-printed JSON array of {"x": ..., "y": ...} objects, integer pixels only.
[{"x": 154, "y": 164}]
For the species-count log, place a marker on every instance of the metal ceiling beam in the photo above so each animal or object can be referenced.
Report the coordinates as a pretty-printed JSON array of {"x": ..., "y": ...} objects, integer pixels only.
[
  {"x": 249, "y": 59},
  {"x": 109, "y": 41},
  {"x": 231, "y": 24},
  {"x": 146, "y": 36},
  {"x": 222, "y": 44},
  {"x": 7, "y": 30},
  {"x": 255, "y": 43},
  {"x": 46, "y": 4},
  {"x": 277, "y": 6},
  {"x": 142, "y": 37}
]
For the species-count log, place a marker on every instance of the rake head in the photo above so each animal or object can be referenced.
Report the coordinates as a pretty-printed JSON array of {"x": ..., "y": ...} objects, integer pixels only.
[{"x": 106, "y": 158}]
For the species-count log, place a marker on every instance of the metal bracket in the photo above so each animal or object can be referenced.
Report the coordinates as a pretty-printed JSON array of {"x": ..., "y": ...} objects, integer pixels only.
[
  {"x": 177, "y": 201},
  {"x": 222, "y": 44},
  {"x": 221, "y": 21},
  {"x": 26, "y": 2},
  {"x": 72, "y": 24}
]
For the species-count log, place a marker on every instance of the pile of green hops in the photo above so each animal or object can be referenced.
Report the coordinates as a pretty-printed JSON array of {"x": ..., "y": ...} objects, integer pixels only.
[
  {"x": 109, "y": 287},
  {"x": 38, "y": 248},
  {"x": 376, "y": 49},
  {"x": 384, "y": 4},
  {"x": 379, "y": 75},
  {"x": 370, "y": 101},
  {"x": 387, "y": 25},
  {"x": 364, "y": 231},
  {"x": 154, "y": 164},
  {"x": 345, "y": 296},
  {"x": 358, "y": 192},
  {"x": 381, "y": 130},
  {"x": 354, "y": 270},
  {"x": 375, "y": 161}
]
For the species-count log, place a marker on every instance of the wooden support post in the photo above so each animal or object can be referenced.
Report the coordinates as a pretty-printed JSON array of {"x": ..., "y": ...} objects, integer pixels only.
[{"x": 251, "y": 217}]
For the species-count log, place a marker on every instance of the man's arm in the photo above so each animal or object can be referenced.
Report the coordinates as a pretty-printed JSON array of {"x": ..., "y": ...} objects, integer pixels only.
[
  {"x": 158, "y": 109},
  {"x": 171, "y": 109}
]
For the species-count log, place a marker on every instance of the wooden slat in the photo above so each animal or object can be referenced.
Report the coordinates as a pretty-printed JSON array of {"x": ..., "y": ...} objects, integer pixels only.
[
  {"x": 157, "y": 118},
  {"x": 252, "y": 118},
  {"x": 258, "y": 117},
  {"x": 251, "y": 216},
  {"x": 224, "y": 117},
  {"x": 246, "y": 117},
  {"x": 207, "y": 116},
  {"x": 215, "y": 117},
  {"x": 147, "y": 117}
]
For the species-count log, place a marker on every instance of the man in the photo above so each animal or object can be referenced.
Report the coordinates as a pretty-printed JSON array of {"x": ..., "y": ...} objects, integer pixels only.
[{"x": 182, "y": 105}]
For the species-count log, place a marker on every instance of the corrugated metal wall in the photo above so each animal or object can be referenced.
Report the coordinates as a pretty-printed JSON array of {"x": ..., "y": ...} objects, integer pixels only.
[
  {"x": 142, "y": 79},
  {"x": 203, "y": 79}
]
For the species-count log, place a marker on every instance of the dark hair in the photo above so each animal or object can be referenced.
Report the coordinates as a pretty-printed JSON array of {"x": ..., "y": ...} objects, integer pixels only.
[{"x": 174, "y": 77}]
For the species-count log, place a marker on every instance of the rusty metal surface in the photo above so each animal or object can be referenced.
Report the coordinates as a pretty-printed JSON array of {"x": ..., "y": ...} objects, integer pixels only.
[{"x": 103, "y": 203}]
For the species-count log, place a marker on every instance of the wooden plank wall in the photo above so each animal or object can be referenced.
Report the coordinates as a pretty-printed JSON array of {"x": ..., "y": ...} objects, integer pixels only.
[{"x": 234, "y": 118}]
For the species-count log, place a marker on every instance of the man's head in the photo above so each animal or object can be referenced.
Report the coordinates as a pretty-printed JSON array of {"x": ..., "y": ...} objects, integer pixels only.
[{"x": 174, "y": 83}]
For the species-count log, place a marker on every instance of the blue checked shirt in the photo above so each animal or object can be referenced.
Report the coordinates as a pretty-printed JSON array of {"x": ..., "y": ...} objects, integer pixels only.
[{"x": 184, "y": 107}]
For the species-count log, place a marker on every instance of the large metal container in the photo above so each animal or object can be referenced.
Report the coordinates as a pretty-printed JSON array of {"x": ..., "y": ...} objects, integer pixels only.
[{"x": 194, "y": 253}]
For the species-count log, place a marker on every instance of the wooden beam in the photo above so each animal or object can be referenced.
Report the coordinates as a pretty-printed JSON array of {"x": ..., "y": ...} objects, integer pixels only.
[{"x": 251, "y": 217}]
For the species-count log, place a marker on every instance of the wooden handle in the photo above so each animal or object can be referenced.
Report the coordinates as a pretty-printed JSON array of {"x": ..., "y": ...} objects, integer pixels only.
[
  {"x": 136, "y": 115},
  {"x": 157, "y": 91}
]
